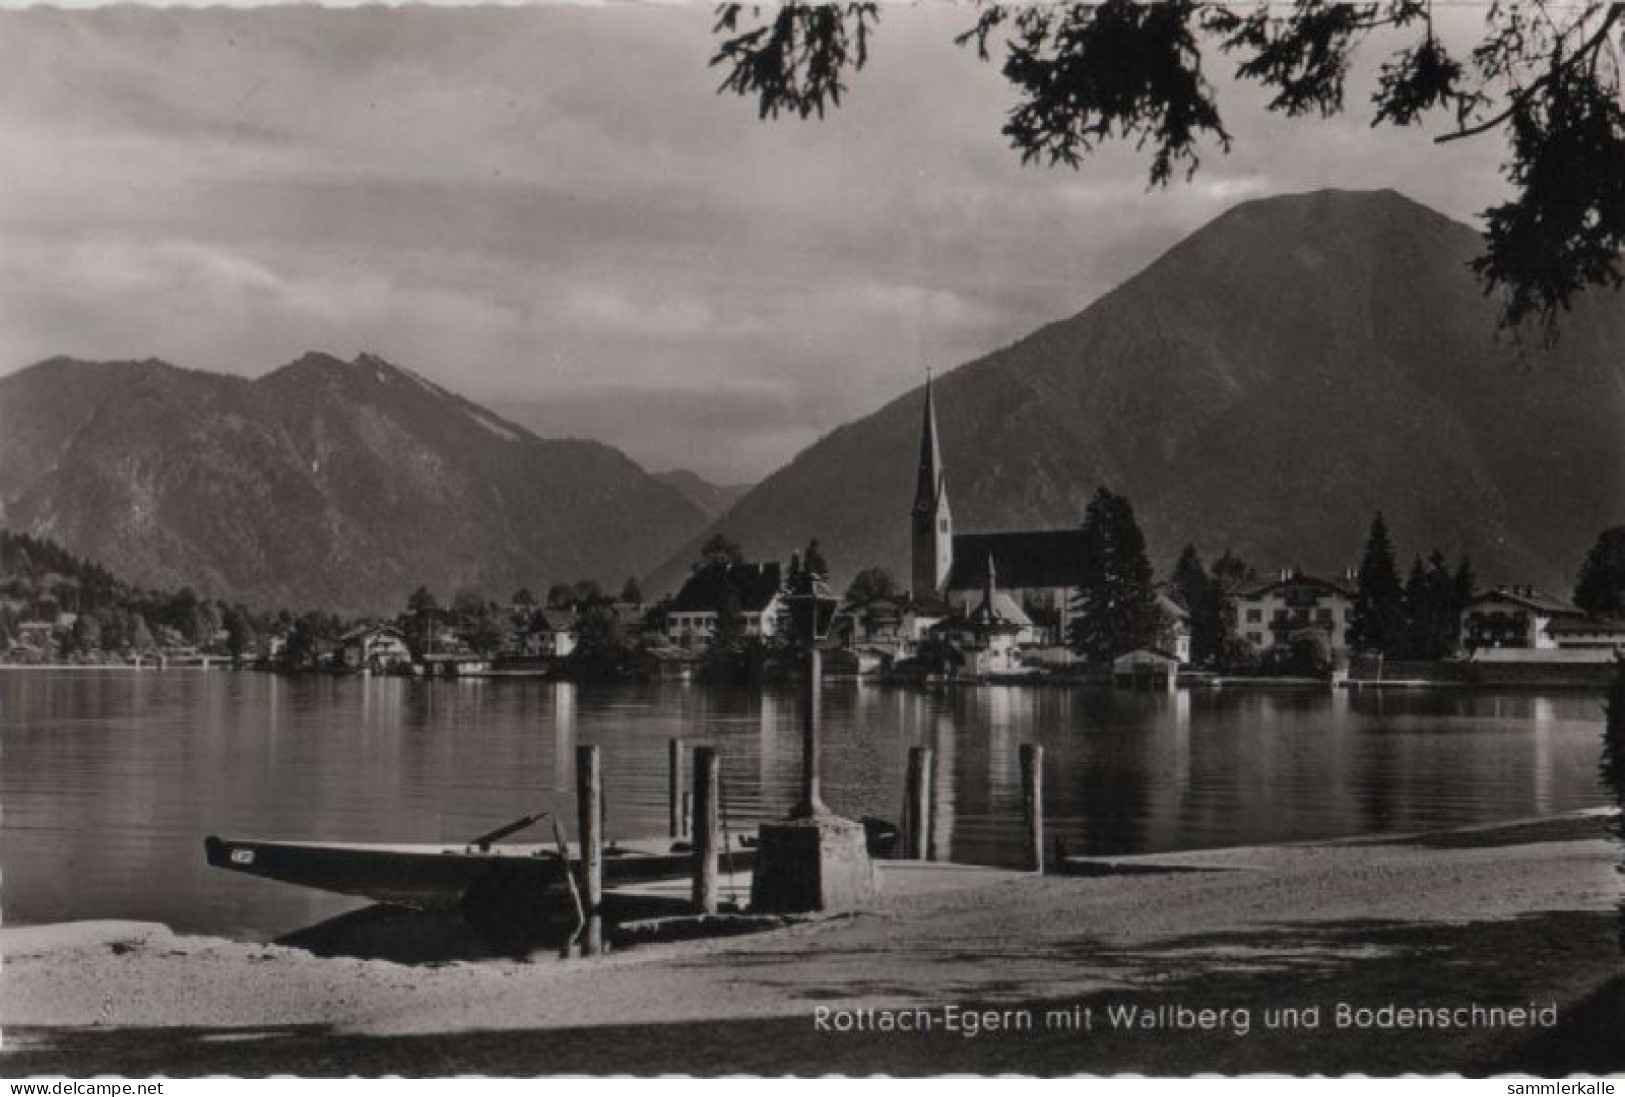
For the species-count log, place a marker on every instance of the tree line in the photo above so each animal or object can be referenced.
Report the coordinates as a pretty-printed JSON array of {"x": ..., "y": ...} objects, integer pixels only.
[
  {"x": 42, "y": 581},
  {"x": 1116, "y": 608}
]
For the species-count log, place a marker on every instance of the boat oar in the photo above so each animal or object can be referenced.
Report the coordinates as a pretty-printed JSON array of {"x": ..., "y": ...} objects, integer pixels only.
[
  {"x": 569, "y": 878},
  {"x": 484, "y": 841}
]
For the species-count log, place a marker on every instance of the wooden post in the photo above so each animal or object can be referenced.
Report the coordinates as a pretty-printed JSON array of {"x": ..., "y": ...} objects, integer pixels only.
[
  {"x": 917, "y": 806},
  {"x": 1032, "y": 803},
  {"x": 674, "y": 786},
  {"x": 590, "y": 821},
  {"x": 812, "y": 699},
  {"x": 706, "y": 786},
  {"x": 688, "y": 814}
]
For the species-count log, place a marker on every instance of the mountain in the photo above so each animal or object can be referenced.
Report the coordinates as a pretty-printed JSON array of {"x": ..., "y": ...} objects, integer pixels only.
[
  {"x": 324, "y": 484},
  {"x": 1267, "y": 385},
  {"x": 712, "y": 499}
]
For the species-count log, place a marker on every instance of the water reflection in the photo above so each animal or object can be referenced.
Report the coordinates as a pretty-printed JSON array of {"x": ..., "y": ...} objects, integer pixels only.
[{"x": 112, "y": 779}]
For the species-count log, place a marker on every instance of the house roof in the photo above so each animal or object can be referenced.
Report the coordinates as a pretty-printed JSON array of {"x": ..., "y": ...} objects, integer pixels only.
[
  {"x": 1031, "y": 558},
  {"x": 368, "y": 630},
  {"x": 1004, "y": 616},
  {"x": 1527, "y": 596},
  {"x": 1005, "y": 611},
  {"x": 1145, "y": 656},
  {"x": 1260, "y": 587},
  {"x": 1172, "y": 607},
  {"x": 708, "y": 587}
]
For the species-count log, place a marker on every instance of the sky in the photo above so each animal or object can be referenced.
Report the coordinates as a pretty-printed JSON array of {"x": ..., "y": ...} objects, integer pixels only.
[{"x": 551, "y": 210}]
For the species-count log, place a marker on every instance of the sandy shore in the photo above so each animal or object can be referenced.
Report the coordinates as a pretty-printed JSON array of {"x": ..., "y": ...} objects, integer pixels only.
[{"x": 1293, "y": 925}]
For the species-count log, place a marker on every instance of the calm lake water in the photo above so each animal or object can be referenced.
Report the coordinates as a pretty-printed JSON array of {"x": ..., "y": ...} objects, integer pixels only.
[{"x": 109, "y": 780}]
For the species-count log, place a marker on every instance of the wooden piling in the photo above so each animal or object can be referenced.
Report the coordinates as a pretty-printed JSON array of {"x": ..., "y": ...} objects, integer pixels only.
[
  {"x": 917, "y": 806},
  {"x": 675, "y": 794},
  {"x": 1032, "y": 803},
  {"x": 706, "y": 788},
  {"x": 590, "y": 821}
]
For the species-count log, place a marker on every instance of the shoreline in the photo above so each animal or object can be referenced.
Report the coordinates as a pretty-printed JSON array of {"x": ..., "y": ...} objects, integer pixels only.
[
  {"x": 1428, "y": 918},
  {"x": 1521, "y": 684}
]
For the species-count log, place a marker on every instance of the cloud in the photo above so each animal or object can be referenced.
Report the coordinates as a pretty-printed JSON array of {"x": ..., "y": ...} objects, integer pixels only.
[{"x": 553, "y": 205}]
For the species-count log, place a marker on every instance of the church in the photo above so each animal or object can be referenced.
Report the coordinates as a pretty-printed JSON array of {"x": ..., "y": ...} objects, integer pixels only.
[{"x": 1037, "y": 570}]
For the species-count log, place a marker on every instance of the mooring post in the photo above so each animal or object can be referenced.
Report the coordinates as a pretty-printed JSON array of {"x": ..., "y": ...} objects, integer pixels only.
[
  {"x": 917, "y": 806},
  {"x": 590, "y": 823},
  {"x": 706, "y": 787},
  {"x": 1032, "y": 803},
  {"x": 674, "y": 786}
]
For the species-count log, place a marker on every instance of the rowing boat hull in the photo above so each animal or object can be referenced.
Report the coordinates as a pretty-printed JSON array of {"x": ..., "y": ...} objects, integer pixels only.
[{"x": 442, "y": 877}]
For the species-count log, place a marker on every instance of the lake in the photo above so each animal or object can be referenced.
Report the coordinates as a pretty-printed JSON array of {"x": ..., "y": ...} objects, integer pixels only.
[{"x": 109, "y": 780}]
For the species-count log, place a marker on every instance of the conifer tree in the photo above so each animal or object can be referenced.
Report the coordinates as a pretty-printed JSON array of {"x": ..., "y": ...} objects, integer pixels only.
[
  {"x": 1464, "y": 581},
  {"x": 1600, "y": 590},
  {"x": 1116, "y": 605},
  {"x": 1205, "y": 601},
  {"x": 1416, "y": 613},
  {"x": 1379, "y": 600},
  {"x": 1433, "y": 605}
]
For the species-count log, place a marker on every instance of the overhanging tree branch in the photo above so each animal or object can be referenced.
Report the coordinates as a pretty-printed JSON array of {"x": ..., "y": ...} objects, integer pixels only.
[{"x": 1088, "y": 73}]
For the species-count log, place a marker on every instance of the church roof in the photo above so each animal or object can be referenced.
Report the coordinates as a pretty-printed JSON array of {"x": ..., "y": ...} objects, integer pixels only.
[{"x": 1032, "y": 558}]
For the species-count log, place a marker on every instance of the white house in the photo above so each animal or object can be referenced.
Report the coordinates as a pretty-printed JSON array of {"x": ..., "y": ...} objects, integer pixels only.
[
  {"x": 553, "y": 632},
  {"x": 753, "y": 591},
  {"x": 1599, "y": 636},
  {"x": 1269, "y": 612},
  {"x": 1514, "y": 617},
  {"x": 369, "y": 647},
  {"x": 987, "y": 639}
]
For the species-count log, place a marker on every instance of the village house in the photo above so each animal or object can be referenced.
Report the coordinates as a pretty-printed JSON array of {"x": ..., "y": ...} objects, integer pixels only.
[
  {"x": 1175, "y": 640},
  {"x": 1269, "y": 612},
  {"x": 1601, "y": 637},
  {"x": 1514, "y": 617},
  {"x": 552, "y": 633},
  {"x": 753, "y": 591},
  {"x": 985, "y": 640},
  {"x": 878, "y": 632},
  {"x": 37, "y": 635},
  {"x": 376, "y": 648}
]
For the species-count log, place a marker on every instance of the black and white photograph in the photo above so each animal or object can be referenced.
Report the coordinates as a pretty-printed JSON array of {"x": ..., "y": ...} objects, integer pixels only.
[{"x": 886, "y": 539}]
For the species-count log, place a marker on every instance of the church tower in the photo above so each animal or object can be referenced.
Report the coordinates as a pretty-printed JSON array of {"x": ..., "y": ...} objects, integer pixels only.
[{"x": 932, "y": 526}]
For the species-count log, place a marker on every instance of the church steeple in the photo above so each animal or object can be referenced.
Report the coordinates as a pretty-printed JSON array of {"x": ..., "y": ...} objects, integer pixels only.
[
  {"x": 930, "y": 480},
  {"x": 931, "y": 526}
]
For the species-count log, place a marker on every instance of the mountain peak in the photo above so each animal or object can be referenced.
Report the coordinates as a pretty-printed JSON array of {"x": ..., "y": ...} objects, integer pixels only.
[
  {"x": 316, "y": 360},
  {"x": 1267, "y": 384},
  {"x": 324, "y": 483}
]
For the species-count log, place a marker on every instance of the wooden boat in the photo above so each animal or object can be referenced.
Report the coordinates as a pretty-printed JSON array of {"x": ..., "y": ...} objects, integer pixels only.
[{"x": 478, "y": 873}]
